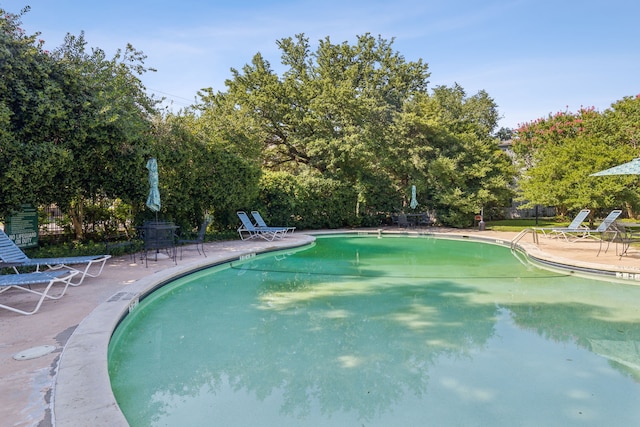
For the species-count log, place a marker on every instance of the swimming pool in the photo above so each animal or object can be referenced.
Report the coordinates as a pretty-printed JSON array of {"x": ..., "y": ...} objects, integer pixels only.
[{"x": 372, "y": 331}]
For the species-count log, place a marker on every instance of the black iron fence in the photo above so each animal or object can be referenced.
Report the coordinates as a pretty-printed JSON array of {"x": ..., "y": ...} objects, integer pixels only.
[
  {"x": 96, "y": 222},
  {"x": 52, "y": 221}
]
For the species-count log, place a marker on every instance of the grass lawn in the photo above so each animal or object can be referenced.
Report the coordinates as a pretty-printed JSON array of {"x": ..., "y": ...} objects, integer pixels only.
[{"x": 521, "y": 224}]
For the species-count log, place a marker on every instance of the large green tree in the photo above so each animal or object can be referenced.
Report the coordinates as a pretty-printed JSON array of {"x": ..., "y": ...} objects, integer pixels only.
[
  {"x": 444, "y": 146},
  {"x": 106, "y": 123},
  {"x": 331, "y": 111},
  {"x": 199, "y": 176},
  {"x": 33, "y": 163},
  {"x": 558, "y": 154},
  {"x": 347, "y": 112},
  {"x": 77, "y": 123}
]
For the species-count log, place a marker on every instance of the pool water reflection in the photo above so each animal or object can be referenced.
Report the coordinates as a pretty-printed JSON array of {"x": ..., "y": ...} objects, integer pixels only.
[{"x": 376, "y": 332}]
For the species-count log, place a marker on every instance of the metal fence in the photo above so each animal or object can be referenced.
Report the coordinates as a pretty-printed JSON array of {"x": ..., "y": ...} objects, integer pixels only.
[
  {"x": 515, "y": 212},
  {"x": 52, "y": 221}
]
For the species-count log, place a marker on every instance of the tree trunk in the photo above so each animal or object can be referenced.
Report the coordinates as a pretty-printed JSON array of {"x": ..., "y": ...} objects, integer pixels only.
[
  {"x": 76, "y": 213},
  {"x": 629, "y": 210}
]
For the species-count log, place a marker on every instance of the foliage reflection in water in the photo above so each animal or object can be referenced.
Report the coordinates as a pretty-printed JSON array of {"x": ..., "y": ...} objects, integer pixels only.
[{"x": 378, "y": 332}]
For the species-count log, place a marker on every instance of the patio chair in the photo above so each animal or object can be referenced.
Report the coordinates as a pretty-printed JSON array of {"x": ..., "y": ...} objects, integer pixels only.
[
  {"x": 425, "y": 220},
  {"x": 403, "y": 222},
  {"x": 575, "y": 229},
  {"x": 198, "y": 240},
  {"x": 262, "y": 224},
  {"x": 249, "y": 231},
  {"x": 605, "y": 228},
  {"x": 625, "y": 235},
  {"x": 12, "y": 256},
  {"x": 25, "y": 281}
]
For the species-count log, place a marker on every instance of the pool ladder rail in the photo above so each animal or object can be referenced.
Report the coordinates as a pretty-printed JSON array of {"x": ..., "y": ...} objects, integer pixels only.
[
  {"x": 517, "y": 251},
  {"x": 520, "y": 235}
]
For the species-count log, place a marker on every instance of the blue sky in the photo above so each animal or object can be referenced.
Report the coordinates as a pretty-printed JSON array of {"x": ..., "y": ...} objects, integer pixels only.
[{"x": 533, "y": 57}]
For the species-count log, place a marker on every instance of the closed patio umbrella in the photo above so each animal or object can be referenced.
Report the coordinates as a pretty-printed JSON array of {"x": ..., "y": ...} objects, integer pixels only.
[
  {"x": 153, "y": 200},
  {"x": 153, "y": 237},
  {"x": 414, "y": 200},
  {"x": 629, "y": 168}
]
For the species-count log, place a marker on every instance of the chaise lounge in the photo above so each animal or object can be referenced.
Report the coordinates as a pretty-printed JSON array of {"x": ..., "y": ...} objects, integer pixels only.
[
  {"x": 249, "y": 231},
  {"x": 574, "y": 230},
  {"x": 25, "y": 281},
  {"x": 260, "y": 222},
  {"x": 12, "y": 256}
]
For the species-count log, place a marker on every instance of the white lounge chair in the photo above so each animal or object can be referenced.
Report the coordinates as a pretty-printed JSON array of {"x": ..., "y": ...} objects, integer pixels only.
[
  {"x": 26, "y": 282},
  {"x": 574, "y": 230},
  {"x": 260, "y": 222},
  {"x": 249, "y": 231},
  {"x": 12, "y": 256}
]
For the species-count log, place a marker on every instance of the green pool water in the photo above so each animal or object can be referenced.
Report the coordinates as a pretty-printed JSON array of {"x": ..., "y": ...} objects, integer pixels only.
[{"x": 392, "y": 331}]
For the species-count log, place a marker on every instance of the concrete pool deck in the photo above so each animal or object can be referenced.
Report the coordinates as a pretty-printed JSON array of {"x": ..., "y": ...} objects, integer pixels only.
[{"x": 68, "y": 387}]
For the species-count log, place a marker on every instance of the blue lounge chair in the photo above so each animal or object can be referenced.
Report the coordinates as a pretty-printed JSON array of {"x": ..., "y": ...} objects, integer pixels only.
[
  {"x": 249, "y": 231},
  {"x": 574, "y": 230},
  {"x": 26, "y": 281},
  {"x": 12, "y": 256},
  {"x": 260, "y": 222}
]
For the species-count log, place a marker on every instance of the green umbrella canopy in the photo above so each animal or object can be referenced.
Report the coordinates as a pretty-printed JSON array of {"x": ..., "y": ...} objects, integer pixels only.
[
  {"x": 153, "y": 201},
  {"x": 629, "y": 168},
  {"x": 414, "y": 200}
]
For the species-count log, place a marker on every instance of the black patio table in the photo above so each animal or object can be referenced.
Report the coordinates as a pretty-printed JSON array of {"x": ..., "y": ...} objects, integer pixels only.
[
  {"x": 418, "y": 219},
  {"x": 159, "y": 235},
  {"x": 625, "y": 233}
]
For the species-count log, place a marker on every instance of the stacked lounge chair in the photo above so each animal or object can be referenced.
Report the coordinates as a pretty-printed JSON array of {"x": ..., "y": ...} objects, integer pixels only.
[
  {"x": 28, "y": 282},
  {"x": 248, "y": 230},
  {"x": 260, "y": 222}
]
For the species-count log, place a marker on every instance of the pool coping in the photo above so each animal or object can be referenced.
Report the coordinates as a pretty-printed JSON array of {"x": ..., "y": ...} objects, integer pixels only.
[{"x": 82, "y": 393}]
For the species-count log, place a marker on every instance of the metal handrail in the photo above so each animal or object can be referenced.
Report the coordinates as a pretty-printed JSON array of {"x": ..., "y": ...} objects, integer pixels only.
[{"x": 520, "y": 235}]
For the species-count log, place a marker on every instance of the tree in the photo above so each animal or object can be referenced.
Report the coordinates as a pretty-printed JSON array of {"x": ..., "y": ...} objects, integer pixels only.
[
  {"x": 77, "y": 124},
  {"x": 448, "y": 151},
  {"x": 330, "y": 113},
  {"x": 561, "y": 151},
  {"x": 360, "y": 114},
  {"x": 108, "y": 124},
  {"x": 30, "y": 107},
  {"x": 198, "y": 176},
  {"x": 561, "y": 176},
  {"x": 504, "y": 134},
  {"x": 328, "y": 105}
]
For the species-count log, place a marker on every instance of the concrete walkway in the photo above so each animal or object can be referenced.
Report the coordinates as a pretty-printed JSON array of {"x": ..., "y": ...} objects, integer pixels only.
[{"x": 28, "y": 386}]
